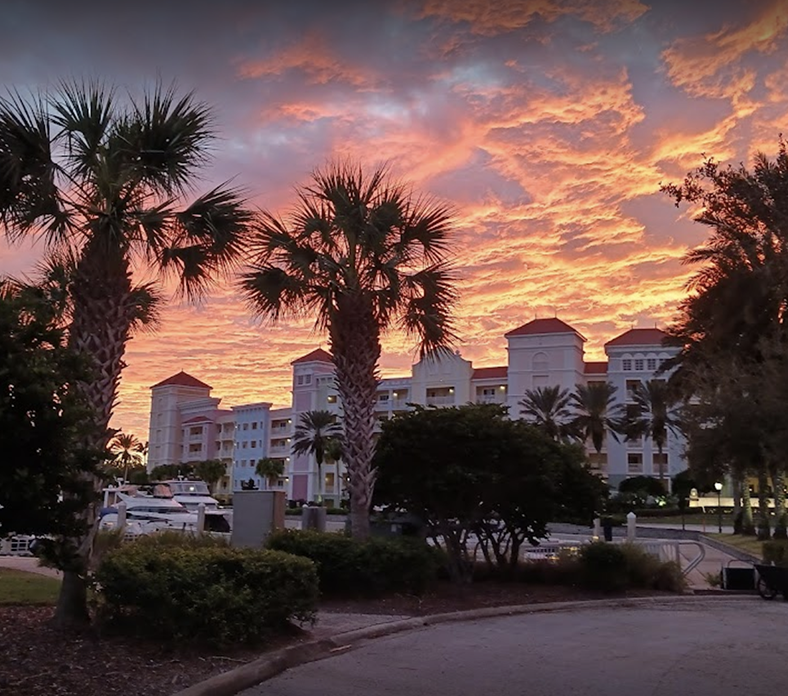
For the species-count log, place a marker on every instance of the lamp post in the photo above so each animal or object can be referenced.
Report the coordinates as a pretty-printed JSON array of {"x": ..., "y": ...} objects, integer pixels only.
[{"x": 718, "y": 486}]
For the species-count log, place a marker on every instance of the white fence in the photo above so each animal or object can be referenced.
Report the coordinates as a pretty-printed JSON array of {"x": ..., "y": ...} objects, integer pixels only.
[{"x": 17, "y": 545}]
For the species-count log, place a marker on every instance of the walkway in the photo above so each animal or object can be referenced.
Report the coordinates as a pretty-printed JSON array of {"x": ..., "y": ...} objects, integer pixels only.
[
  {"x": 706, "y": 648},
  {"x": 29, "y": 565}
]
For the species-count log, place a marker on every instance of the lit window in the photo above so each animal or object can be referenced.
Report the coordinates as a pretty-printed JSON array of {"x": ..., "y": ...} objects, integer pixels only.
[
  {"x": 626, "y": 365},
  {"x": 638, "y": 364},
  {"x": 332, "y": 398}
]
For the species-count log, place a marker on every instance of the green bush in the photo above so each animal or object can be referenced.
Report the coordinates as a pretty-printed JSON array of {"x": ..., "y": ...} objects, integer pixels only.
[
  {"x": 775, "y": 552},
  {"x": 200, "y": 590},
  {"x": 349, "y": 568},
  {"x": 604, "y": 567}
]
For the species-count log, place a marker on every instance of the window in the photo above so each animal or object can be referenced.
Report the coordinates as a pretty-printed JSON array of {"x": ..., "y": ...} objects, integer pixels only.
[
  {"x": 638, "y": 364},
  {"x": 660, "y": 460},
  {"x": 330, "y": 478},
  {"x": 246, "y": 426},
  {"x": 598, "y": 460},
  {"x": 651, "y": 364},
  {"x": 626, "y": 365},
  {"x": 300, "y": 380},
  {"x": 635, "y": 443},
  {"x": 488, "y": 391},
  {"x": 541, "y": 362},
  {"x": 632, "y": 385},
  {"x": 254, "y": 444},
  {"x": 383, "y": 397},
  {"x": 246, "y": 444},
  {"x": 332, "y": 398},
  {"x": 634, "y": 463},
  {"x": 195, "y": 431},
  {"x": 254, "y": 426}
]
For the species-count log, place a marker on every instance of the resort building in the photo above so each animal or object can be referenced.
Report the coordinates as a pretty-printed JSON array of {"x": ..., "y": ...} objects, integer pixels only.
[{"x": 188, "y": 425}]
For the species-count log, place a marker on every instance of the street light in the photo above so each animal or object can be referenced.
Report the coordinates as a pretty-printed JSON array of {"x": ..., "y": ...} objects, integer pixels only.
[{"x": 718, "y": 486}]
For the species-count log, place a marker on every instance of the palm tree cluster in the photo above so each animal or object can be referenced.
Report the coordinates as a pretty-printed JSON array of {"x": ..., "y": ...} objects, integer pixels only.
[
  {"x": 732, "y": 330},
  {"x": 592, "y": 412},
  {"x": 105, "y": 181}
]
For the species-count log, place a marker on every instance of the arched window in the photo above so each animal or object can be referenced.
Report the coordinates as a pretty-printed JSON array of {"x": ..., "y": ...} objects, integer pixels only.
[{"x": 541, "y": 362}]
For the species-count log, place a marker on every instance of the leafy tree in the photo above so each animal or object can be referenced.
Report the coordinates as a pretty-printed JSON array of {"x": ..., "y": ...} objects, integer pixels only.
[
  {"x": 595, "y": 413},
  {"x": 127, "y": 451},
  {"x": 645, "y": 486},
  {"x": 735, "y": 312},
  {"x": 43, "y": 421},
  {"x": 270, "y": 469},
  {"x": 470, "y": 470},
  {"x": 653, "y": 414},
  {"x": 548, "y": 409},
  {"x": 314, "y": 432},
  {"x": 211, "y": 471},
  {"x": 362, "y": 255},
  {"x": 106, "y": 179}
]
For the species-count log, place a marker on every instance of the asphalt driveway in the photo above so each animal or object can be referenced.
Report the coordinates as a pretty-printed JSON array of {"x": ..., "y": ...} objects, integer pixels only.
[{"x": 704, "y": 648}]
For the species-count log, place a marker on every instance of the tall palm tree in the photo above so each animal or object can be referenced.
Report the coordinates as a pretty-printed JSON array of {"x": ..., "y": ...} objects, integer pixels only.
[
  {"x": 107, "y": 179},
  {"x": 654, "y": 415},
  {"x": 595, "y": 413},
  {"x": 313, "y": 435},
  {"x": 548, "y": 409},
  {"x": 362, "y": 255},
  {"x": 127, "y": 451}
]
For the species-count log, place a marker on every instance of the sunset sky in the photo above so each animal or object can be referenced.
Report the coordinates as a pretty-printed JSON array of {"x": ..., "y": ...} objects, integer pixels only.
[{"x": 548, "y": 124}]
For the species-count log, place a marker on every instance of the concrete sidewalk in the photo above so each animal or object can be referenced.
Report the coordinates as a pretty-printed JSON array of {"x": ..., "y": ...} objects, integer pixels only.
[{"x": 29, "y": 565}]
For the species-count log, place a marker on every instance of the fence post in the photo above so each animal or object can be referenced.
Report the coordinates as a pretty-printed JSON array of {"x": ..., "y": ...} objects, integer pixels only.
[
  {"x": 597, "y": 528},
  {"x": 121, "y": 515},
  {"x": 632, "y": 520},
  {"x": 200, "y": 518}
]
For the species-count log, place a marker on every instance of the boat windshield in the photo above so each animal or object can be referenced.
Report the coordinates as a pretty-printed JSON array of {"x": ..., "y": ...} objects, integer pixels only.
[{"x": 189, "y": 488}]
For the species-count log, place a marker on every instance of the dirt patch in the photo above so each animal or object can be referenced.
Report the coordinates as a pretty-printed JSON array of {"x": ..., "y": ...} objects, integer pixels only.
[{"x": 39, "y": 660}]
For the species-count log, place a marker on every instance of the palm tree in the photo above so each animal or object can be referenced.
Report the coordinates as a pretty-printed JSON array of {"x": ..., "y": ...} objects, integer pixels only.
[
  {"x": 313, "y": 435},
  {"x": 654, "y": 415},
  {"x": 127, "y": 451},
  {"x": 595, "y": 413},
  {"x": 362, "y": 255},
  {"x": 106, "y": 179},
  {"x": 211, "y": 471},
  {"x": 548, "y": 409},
  {"x": 270, "y": 469}
]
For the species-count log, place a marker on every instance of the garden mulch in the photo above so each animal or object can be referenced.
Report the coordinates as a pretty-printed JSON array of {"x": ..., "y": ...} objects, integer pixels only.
[{"x": 39, "y": 660}]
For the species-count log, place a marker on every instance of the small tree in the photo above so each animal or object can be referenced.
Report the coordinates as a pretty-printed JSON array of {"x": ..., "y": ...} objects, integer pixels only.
[
  {"x": 472, "y": 471},
  {"x": 128, "y": 452},
  {"x": 211, "y": 471},
  {"x": 162, "y": 472},
  {"x": 270, "y": 469}
]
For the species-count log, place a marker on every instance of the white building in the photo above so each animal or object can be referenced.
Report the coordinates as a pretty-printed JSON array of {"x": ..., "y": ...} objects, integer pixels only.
[{"x": 543, "y": 352}]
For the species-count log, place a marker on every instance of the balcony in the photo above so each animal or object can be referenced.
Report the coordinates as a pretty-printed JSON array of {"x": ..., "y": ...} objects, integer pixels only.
[
  {"x": 399, "y": 404},
  {"x": 279, "y": 449},
  {"x": 447, "y": 400},
  {"x": 490, "y": 399}
]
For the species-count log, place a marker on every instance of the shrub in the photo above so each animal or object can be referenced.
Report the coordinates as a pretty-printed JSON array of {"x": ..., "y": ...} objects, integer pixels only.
[
  {"x": 775, "y": 552},
  {"x": 373, "y": 567},
  {"x": 604, "y": 567},
  {"x": 201, "y": 590}
]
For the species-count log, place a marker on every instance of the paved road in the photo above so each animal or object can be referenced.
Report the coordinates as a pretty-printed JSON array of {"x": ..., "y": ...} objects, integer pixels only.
[{"x": 703, "y": 648}]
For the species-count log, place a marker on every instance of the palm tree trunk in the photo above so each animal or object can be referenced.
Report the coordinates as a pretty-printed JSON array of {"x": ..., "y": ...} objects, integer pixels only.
[
  {"x": 355, "y": 346},
  {"x": 103, "y": 308},
  {"x": 778, "y": 484},
  {"x": 747, "y": 522},
  {"x": 764, "y": 528}
]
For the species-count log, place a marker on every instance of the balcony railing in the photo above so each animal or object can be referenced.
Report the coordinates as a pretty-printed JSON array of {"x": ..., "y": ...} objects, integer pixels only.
[
  {"x": 490, "y": 399},
  {"x": 280, "y": 449},
  {"x": 447, "y": 400}
]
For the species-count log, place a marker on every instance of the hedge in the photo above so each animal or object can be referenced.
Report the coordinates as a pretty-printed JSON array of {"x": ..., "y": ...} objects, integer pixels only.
[
  {"x": 205, "y": 591},
  {"x": 347, "y": 567}
]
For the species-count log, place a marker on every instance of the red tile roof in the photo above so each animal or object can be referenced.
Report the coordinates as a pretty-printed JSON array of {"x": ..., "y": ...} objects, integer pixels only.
[
  {"x": 182, "y": 380},
  {"x": 197, "y": 419},
  {"x": 490, "y": 372},
  {"x": 542, "y": 326},
  {"x": 595, "y": 368},
  {"x": 639, "y": 337},
  {"x": 318, "y": 355}
]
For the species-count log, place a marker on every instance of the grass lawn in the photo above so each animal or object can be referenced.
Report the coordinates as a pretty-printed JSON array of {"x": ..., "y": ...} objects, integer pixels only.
[
  {"x": 19, "y": 587},
  {"x": 746, "y": 543}
]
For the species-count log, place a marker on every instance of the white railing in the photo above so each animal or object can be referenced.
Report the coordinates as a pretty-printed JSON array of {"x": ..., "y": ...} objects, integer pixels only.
[
  {"x": 17, "y": 545},
  {"x": 447, "y": 400}
]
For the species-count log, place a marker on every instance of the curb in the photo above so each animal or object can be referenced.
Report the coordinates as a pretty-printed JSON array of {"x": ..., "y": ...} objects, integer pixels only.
[{"x": 273, "y": 664}]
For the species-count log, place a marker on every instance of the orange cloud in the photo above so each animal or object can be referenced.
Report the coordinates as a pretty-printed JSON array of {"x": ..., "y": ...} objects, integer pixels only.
[{"x": 489, "y": 19}]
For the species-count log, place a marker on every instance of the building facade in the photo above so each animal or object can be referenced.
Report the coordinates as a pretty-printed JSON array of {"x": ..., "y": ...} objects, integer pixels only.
[{"x": 186, "y": 422}]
